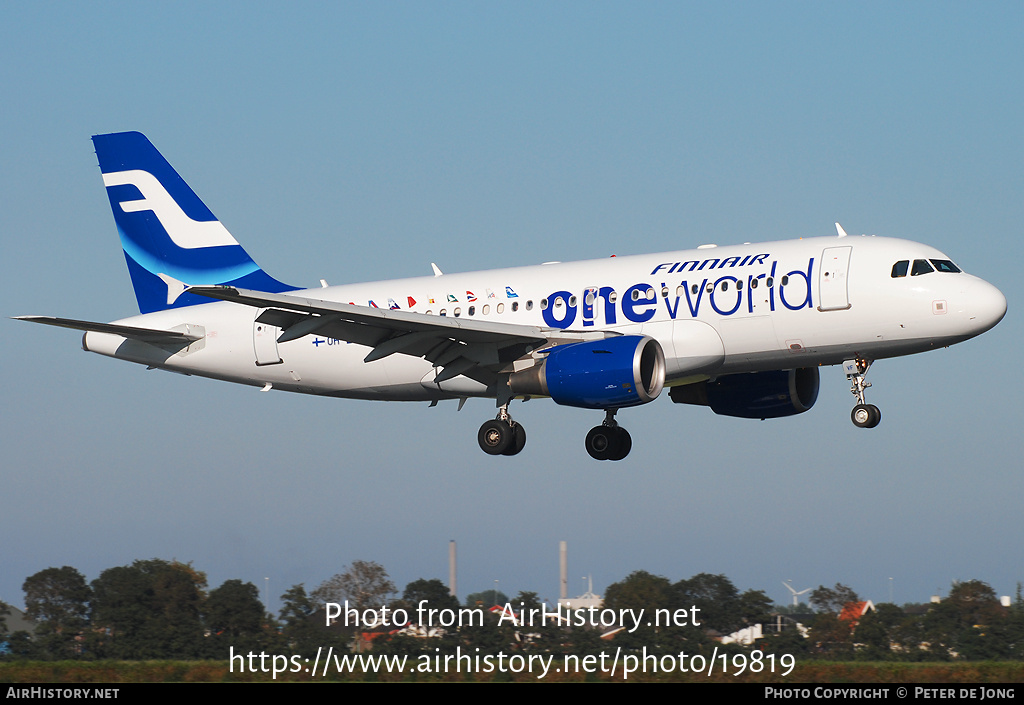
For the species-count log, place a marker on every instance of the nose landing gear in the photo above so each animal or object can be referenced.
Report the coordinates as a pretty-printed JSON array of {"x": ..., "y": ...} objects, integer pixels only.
[{"x": 864, "y": 415}]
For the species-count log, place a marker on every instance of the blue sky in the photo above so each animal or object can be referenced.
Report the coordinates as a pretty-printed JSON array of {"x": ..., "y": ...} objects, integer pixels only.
[{"x": 362, "y": 141}]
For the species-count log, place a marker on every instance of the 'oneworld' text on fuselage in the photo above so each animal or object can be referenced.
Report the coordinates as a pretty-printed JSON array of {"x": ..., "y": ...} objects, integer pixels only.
[{"x": 724, "y": 294}]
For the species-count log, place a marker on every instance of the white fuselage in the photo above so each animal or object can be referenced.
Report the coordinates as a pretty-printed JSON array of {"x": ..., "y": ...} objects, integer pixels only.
[{"x": 714, "y": 310}]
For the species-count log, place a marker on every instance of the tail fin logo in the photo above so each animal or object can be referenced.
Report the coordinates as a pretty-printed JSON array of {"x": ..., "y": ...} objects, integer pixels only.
[
  {"x": 168, "y": 235},
  {"x": 184, "y": 232}
]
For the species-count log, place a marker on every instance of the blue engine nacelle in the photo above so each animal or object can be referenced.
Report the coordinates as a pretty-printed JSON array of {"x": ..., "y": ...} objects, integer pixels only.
[
  {"x": 756, "y": 395},
  {"x": 601, "y": 374}
]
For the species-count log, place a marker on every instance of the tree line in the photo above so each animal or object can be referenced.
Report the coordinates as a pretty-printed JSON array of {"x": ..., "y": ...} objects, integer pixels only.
[{"x": 157, "y": 609}]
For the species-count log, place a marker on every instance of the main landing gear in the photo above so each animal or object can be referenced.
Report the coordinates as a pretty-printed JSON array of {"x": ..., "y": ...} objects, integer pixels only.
[
  {"x": 864, "y": 415},
  {"x": 502, "y": 436},
  {"x": 609, "y": 441}
]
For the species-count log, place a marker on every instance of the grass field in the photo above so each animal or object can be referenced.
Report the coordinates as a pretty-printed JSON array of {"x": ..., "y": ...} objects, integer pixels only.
[{"x": 84, "y": 672}]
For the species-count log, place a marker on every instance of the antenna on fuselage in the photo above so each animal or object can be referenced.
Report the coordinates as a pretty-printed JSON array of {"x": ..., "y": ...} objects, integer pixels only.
[{"x": 839, "y": 229}]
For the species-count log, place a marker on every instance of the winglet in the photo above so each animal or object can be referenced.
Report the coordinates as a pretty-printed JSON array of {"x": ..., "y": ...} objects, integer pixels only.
[{"x": 839, "y": 229}]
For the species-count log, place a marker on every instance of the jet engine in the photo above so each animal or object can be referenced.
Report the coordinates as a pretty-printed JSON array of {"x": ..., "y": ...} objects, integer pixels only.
[
  {"x": 612, "y": 373},
  {"x": 755, "y": 395}
]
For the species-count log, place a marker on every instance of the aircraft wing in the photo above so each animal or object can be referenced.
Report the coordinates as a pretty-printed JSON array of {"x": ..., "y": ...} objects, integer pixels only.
[
  {"x": 146, "y": 335},
  {"x": 477, "y": 349}
]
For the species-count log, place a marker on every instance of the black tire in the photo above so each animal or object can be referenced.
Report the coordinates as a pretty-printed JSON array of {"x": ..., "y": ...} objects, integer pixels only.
[
  {"x": 518, "y": 440},
  {"x": 623, "y": 444},
  {"x": 601, "y": 442},
  {"x": 862, "y": 416},
  {"x": 876, "y": 416},
  {"x": 494, "y": 437}
]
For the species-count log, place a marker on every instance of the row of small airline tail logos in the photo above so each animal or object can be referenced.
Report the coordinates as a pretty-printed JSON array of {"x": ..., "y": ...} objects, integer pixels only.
[
  {"x": 452, "y": 298},
  {"x": 678, "y": 266},
  {"x": 725, "y": 295}
]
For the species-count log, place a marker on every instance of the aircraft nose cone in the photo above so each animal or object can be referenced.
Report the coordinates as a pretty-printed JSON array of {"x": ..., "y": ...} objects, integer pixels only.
[{"x": 987, "y": 306}]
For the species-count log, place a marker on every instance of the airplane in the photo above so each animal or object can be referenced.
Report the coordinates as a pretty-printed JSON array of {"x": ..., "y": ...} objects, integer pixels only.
[{"x": 742, "y": 329}]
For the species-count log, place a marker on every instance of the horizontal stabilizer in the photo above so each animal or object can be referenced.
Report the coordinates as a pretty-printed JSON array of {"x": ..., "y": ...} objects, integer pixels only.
[{"x": 146, "y": 335}]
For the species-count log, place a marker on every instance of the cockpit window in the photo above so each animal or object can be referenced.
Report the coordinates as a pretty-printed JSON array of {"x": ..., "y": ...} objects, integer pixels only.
[
  {"x": 921, "y": 266},
  {"x": 944, "y": 265},
  {"x": 900, "y": 268}
]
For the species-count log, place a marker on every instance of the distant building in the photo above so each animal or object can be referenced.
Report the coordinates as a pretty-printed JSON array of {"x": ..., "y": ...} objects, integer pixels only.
[
  {"x": 584, "y": 601},
  {"x": 745, "y": 636},
  {"x": 18, "y": 621},
  {"x": 853, "y": 611}
]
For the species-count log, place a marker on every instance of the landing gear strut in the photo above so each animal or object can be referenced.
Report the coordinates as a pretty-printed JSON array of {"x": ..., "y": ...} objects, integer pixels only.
[
  {"x": 609, "y": 441},
  {"x": 502, "y": 436},
  {"x": 864, "y": 415}
]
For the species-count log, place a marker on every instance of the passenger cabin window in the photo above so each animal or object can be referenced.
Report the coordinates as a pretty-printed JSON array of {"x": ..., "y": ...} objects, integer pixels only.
[
  {"x": 944, "y": 265},
  {"x": 921, "y": 266},
  {"x": 900, "y": 268}
]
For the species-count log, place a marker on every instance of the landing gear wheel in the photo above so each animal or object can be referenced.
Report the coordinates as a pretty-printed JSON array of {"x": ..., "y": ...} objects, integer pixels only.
[
  {"x": 608, "y": 443},
  {"x": 624, "y": 444},
  {"x": 518, "y": 440},
  {"x": 600, "y": 442},
  {"x": 866, "y": 416},
  {"x": 496, "y": 436}
]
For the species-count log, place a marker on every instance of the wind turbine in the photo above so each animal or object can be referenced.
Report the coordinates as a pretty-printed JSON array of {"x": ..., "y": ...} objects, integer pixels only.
[{"x": 796, "y": 595}]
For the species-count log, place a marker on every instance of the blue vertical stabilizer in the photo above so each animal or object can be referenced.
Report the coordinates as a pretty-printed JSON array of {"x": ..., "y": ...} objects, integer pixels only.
[{"x": 170, "y": 238}]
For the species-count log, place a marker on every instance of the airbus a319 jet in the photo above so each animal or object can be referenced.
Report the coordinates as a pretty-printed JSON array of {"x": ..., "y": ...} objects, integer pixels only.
[{"x": 741, "y": 329}]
